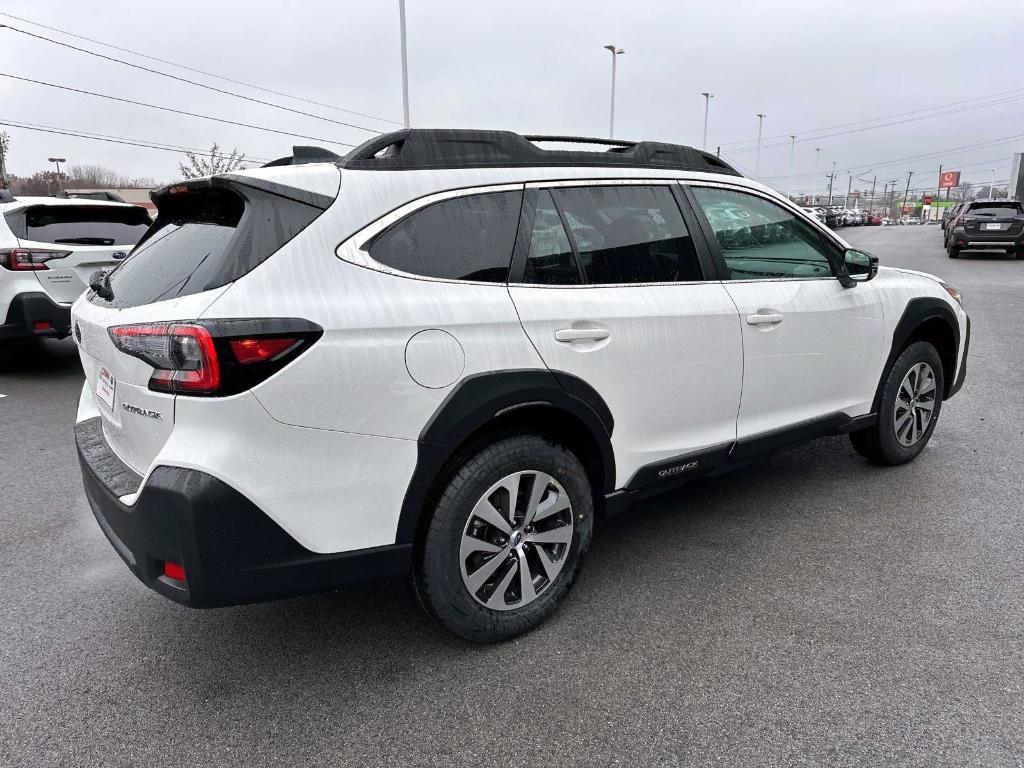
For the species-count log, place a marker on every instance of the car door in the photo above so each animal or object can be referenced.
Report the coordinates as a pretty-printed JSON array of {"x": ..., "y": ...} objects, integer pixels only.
[
  {"x": 811, "y": 347},
  {"x": 612, "y": 288}
]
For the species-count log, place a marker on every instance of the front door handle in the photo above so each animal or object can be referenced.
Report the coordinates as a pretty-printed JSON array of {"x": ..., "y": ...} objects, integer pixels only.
[
  {"x": 581, "y": 334},
  {"x": 764, "y": 319}
]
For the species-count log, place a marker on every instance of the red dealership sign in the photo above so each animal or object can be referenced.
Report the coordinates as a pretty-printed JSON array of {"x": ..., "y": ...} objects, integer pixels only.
[{"x": 949, "y": 179}]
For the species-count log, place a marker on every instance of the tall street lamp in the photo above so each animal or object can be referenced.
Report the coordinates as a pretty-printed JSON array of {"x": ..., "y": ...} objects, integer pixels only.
[
  {"x": 708, "y": 96},
  {"x": 615, "y": 52},
  {"x": 405, "y": 65},
  {"x": 757, "y": 161},
  {"x": 789, "y": 184},
  {"x": 59, "y": 160}
]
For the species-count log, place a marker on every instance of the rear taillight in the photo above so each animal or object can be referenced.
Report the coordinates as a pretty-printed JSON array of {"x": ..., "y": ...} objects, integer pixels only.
[
  {"x": 216, "y": 357},
  {"x": 28, "y": 259}
]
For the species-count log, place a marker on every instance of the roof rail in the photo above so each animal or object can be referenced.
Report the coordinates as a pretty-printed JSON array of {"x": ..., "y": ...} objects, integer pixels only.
[
  {"x": 305, "y": 155},
  {"x": 432, "y": 148}
]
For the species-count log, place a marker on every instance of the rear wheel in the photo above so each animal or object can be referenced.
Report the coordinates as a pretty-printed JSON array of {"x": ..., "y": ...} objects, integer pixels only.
[
  {"x": 953, "y": 251},
  {"x": 506, "y": 539},
  {"x": 909, "y": 410}
]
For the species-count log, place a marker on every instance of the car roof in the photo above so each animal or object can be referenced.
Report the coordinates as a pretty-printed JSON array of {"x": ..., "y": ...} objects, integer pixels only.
[{"x": 24, "y": 202}]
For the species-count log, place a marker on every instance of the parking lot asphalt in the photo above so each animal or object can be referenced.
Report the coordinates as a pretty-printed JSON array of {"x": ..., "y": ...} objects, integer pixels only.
[{"x": 810, "y": 609}]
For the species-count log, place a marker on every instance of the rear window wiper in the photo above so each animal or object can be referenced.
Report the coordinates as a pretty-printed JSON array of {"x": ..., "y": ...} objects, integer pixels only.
[
  {"x": 99, "y": 281},
  {"x": 86, "y": 240}
]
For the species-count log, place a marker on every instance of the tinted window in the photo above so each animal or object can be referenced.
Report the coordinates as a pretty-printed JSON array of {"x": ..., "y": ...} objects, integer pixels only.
[
  {"x": 551, "y": 261},
  {"x": 465, "y": 238},
  {"x": 203, "y": 240},
  {"x": 629, "y": 234},
  {"x": 86, "y": 225},
  {"x": 760, "y": 239},
  {"x": 995, "y": 209}
]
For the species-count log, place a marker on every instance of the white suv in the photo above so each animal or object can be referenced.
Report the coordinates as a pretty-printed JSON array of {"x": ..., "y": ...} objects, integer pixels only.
[
  {"x": 447, "y": 352},
  {"x": 48, "y": 249}
]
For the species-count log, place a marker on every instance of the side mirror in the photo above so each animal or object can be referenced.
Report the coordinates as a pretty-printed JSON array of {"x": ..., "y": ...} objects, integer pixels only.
[{"x": 857, "y": 267}]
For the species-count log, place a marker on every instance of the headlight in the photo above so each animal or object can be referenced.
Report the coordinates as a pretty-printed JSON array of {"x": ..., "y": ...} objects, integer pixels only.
[{"x": 954, "y": 293}]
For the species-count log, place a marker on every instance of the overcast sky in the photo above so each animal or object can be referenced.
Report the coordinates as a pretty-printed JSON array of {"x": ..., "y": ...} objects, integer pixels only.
[{"x": 539, "y": 67}]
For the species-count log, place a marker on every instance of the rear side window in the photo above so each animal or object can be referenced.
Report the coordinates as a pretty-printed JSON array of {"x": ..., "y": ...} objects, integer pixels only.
[
  {"x": 85, "y": 224},
  {"x": 205, "y": 239},
  {"x": 464, "y": 238},
  {"x": 629, "y": 234}
]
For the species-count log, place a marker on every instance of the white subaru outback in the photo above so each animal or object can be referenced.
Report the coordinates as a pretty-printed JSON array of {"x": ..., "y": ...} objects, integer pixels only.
[
  {"x": 49, "y": 247},
  {"x": 448, "y": 351}
]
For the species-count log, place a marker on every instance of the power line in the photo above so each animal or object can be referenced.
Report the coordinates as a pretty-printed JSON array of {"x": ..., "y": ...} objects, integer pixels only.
[
  {"x": 197, "y": 71},
  {"x": 190, "y": 82},
  {"x": 112, "y": 139},
  {"x": 175, "y": 111},
  {"x": 1013, "y": 95}
]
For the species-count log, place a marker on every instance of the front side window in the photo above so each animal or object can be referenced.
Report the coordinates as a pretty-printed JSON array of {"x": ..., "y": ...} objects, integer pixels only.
[
  {"x": 760, "y": 239},
  {"x": 464, "y": 238},
  {"x": 628, "y": 234}
]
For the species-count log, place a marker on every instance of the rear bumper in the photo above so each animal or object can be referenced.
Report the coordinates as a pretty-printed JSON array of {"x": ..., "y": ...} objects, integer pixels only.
[
  {"x": 997, "y": 241},
  {"x": 26, "y": 310},
  {"x": 232, "y": 553}
]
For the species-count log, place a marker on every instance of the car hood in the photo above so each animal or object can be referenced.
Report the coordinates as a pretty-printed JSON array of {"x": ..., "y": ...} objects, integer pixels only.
[{"x": 915, "y": 272}]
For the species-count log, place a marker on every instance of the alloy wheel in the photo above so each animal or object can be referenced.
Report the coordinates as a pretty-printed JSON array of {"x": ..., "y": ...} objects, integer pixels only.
[
  {"x": 915, "y": 404},
  {"x": 516, "y": 540}
]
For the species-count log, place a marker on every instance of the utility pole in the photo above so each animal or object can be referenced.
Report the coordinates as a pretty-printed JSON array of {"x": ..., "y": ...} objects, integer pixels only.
[
  {"x": 871, "y": 202},
  {"x": 405, "y": 65},
  {"x": 906, "y": 193},
  {"x": 789, "y": 184},
  {"x": 757, "y": 161},
  {"x": 849, "y": 186},
  {"x": 615, "y": 52},
  {"x": 708, "y": 96},
  {"x": 814, "y": 184}
]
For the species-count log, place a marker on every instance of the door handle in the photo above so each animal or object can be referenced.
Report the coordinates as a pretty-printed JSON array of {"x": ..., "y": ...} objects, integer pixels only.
[
  {"x": 764, "y": 319},
  {"x": 581, "y": 334}
]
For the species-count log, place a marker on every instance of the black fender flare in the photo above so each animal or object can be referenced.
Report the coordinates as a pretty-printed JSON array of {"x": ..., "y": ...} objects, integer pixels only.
[
  {"x": 477, "y": 400},
  {"x": 917, "y": 312}
]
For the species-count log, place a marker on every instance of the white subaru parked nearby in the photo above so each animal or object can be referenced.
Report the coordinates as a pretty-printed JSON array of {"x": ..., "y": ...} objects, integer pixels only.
[
  {"x": 447, "y": 352},
  {"x": 48, "y": 249}
]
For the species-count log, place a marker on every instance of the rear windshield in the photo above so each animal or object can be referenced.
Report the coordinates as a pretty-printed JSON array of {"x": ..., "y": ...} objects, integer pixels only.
[
  {"x": 995, "y": 209},
  {"x": 203, "y": 240},
  {"x": 86, "y": 224},
  {"x": 183, "y": 252}
]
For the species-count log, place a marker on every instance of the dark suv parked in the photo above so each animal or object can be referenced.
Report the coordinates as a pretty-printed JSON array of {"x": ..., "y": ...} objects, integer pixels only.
[{"x": 990, "y": 225}]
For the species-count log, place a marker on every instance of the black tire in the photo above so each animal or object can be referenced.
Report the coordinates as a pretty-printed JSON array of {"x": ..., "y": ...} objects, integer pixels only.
[
  {"x": 437, "y": 572},
  {"x": 953, "y": 251},
  {"x": 879, "y": 443}
]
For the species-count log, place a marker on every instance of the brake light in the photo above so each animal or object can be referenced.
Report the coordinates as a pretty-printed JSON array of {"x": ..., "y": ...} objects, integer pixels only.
[
  {"x": 215, "y": 357},
  {"x": 27, "y": 259},
  {"x": 183, "y": 354},
  {"x": 174, "y": 571},
  {"x": 260, "y": 350}
]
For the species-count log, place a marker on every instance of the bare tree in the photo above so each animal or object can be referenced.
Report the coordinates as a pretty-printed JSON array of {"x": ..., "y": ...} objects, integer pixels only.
[
  {"x": 94, "y": 177},
  {"x": 964, "y": 192},
  {"x": 217, "y": 162},
  {"x": 5, "y": 148},
  {"x": 39, "y": 183}
]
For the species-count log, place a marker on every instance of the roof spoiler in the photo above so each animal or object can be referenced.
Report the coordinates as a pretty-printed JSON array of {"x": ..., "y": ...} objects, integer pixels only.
[{"x": 304, "y": 156}]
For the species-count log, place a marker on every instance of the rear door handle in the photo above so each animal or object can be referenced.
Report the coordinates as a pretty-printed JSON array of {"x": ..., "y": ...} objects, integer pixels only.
[
  {"x": 764, "y": 319},
  {"x": 581, "y": 334}
]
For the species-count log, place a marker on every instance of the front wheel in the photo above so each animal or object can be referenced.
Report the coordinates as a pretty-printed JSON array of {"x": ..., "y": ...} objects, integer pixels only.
[
  {"x": 506, "y": 539},
  {"x": 909, "y": 410}
]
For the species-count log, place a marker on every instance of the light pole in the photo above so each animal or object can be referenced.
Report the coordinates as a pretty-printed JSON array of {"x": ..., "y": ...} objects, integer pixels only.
[
  {"x": 405, "y": 65},
  {"x": 708, "y": 96},
  {"x": 792, "y": 146},
  {"x": 992, "y": 186},
  {"x": 59, "y": 160},
  {"x": 814, "y": 184},
  {"x": 760, "y": 124},
  {"x": 615, "y": 52},
  {"x": 906, "y": 194},
  {"x": 831, "y": 178}
]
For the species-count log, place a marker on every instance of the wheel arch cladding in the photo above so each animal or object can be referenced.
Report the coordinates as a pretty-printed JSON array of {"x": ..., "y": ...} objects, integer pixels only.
[
  {"x": 483, "y": 406},
  {"x": 925, "y": 319}
]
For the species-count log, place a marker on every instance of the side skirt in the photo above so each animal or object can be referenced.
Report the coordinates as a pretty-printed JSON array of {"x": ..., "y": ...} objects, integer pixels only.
[{"x": 666, "y": 475}]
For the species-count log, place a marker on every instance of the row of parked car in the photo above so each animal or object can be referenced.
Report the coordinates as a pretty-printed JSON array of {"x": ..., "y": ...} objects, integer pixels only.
[{"x": 835, "y": 216}]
